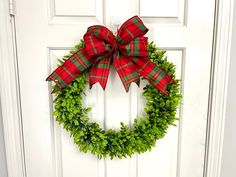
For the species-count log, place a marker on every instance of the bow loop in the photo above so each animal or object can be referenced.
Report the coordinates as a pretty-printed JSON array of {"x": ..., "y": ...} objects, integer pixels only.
[
  {"x": 131, "y": 29},
  {"x": 102, "y": 33}
]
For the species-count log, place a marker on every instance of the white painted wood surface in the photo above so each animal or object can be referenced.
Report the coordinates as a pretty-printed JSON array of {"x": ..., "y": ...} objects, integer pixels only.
[
  {"x": 46, "y": 30},
  {"x": 221, "y": 54}
]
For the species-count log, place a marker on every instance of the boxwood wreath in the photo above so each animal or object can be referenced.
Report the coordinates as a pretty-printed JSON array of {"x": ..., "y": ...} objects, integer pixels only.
[{"x": 160, "y": 113}]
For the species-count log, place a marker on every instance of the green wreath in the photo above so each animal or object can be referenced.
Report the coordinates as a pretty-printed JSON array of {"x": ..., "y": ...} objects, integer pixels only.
[{"x": 160, "y": 112}]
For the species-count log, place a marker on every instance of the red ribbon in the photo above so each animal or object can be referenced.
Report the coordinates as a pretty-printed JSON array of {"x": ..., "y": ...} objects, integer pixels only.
[{"x": 128, "y": 51}]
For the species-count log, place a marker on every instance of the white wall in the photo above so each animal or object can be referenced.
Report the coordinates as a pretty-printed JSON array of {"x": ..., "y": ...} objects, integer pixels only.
[
  {"x": 3, "y": 166},
  {"x": 229, "y": 148}
]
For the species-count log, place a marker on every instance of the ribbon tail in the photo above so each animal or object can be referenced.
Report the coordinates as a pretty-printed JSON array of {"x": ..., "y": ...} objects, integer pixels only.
[
  {"x": 127, "y": 72},
  {"x": 100, "y": 72},
  {"x": 71, "y": 68},
  {"x": 156, "y": 76}
]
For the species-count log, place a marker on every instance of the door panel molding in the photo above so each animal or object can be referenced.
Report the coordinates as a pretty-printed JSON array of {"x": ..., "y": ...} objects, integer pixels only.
[
  {"x": 55, "y": 16},
  {"x": 155, "y": 17}
]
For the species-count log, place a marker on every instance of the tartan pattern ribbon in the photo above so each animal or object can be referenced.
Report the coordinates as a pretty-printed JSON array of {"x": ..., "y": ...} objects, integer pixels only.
[{"x": 128, "y": 52}]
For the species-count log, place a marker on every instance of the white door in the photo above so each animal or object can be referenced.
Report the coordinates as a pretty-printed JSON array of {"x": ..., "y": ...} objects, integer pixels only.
[{"x": 46, "y": 30}]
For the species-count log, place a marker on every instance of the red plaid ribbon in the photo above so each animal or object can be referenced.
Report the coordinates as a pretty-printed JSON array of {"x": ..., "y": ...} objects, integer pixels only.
[{"x": 128, "y": 51}]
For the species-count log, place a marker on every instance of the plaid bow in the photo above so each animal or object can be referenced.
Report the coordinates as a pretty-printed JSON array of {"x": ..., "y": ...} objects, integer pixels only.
[{"x": 128, "y": 51}]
